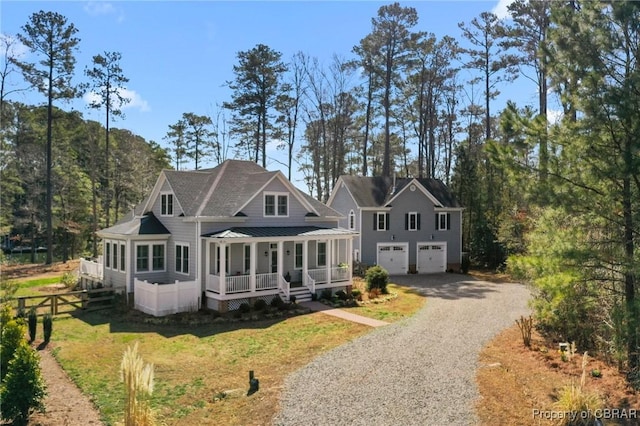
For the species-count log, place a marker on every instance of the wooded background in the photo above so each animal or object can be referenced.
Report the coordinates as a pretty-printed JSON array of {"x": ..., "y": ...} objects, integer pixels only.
[{"x": 555, "y": 201}]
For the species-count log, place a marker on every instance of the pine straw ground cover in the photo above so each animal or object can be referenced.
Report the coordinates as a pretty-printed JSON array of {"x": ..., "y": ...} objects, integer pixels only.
[
  {"x": 202, "y": 367},
  {"x": 514, "y": 380}
]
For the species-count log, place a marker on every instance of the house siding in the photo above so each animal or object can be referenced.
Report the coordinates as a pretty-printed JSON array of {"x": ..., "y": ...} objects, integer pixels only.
[
  {"x": 408, "y": 202},
  {"x": 181, "y": 232},
  {"x": 344, "y": 203},
  {"x": 255, "y": 209}
]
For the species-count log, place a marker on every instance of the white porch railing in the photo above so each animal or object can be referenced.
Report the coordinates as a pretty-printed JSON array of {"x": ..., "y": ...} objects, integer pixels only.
[
  {"x": 267, "y": 281},
  {"x": 310, "y": 283},
  {"x": 165, "y": 299},
  {"x": 242, "y": 283},
  {"x": 237, "y": 284},
  {"x": 338, "y": 274},
  {"x": 90, "y": 268},
  {"x": 284, "y": 286}
]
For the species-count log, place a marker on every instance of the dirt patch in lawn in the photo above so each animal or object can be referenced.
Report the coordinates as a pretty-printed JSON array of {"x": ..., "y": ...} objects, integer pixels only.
[{"x": 38, "y": 270}]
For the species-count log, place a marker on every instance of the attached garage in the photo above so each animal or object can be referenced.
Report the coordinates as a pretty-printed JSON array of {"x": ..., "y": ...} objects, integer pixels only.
[
  {"x": 432, "y": 257},
  {"x": 394, "y": 257}
]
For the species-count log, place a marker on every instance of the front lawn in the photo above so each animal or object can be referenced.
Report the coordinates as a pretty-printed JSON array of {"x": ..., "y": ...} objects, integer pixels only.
[
  {"x": 400, "y": 303},
  {"x": 201, "y": 372}
]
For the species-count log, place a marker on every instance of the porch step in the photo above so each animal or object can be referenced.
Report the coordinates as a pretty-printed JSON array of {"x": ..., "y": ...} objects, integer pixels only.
[{"x": 302, "y": 294}]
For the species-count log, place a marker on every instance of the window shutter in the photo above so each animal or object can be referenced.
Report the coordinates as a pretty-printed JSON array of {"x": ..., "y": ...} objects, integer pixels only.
[
  {"x": 437, "y": 221},
  {"x": 386, "y": 221},
  {"x": 406, "y": 221},
  {"x": 448, "y": 221},
  {"x": 418, "y": 221},
  {"x": 375, "y": 221}
]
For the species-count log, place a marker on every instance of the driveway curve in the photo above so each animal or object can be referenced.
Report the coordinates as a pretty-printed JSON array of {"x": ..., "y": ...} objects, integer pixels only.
[{"x": 420, "y": 371}]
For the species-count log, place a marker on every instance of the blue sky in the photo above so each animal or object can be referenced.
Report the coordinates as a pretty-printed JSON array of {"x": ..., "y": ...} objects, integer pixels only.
[{"x": 179, "y": 54}]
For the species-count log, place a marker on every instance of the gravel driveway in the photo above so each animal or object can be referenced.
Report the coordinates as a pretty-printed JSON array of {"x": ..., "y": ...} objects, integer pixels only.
[{"x": 420, "y": 371}]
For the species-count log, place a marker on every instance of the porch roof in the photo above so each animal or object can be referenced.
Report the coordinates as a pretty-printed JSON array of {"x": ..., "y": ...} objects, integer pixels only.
[{"x": 279, "y": 231}]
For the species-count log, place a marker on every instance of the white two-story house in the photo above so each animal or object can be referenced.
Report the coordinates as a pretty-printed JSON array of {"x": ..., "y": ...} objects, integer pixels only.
[{"x": 233, "y": 234}]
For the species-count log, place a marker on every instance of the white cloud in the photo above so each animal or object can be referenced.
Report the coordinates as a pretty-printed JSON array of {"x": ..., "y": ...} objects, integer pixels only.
[
  {"x": 96, "y": 8},
  {"x": 100, "y": 8},
  {"x": 135, "y": 100},
  {"x": 16, "y": 49},
  {"x": 500, "y": 9}
]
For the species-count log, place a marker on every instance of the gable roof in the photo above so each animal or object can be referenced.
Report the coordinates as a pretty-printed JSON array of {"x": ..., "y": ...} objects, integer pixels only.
[
  {"x": 225, "y": 189},
  {"x": 379, "y": 191}
]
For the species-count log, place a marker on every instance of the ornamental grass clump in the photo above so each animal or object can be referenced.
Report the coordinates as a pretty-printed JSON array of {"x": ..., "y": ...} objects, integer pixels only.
[
  {"x": 576, "y": 399},
  {"x": 138, "y": 382}
]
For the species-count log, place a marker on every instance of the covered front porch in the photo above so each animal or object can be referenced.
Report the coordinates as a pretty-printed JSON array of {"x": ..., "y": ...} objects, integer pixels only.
[{"x": 269, "y": 261}]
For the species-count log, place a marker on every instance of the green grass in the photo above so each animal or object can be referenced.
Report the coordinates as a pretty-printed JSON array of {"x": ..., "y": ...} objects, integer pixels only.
[
  {"x": 30, "y": 287},
  {"x": 406, "y": 303},
  {"x": 193, "y": 364},
  {"x": 202, "y": 371}
]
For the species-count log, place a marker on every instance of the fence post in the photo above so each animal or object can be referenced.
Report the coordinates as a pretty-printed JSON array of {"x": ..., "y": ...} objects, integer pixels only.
[
  {"x": 54, "y": 305},
  {"x": 21, "y": 307}
]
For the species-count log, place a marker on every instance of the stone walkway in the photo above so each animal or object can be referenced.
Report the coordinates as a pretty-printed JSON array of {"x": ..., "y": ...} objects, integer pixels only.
[{"x": 339, "y": 313}]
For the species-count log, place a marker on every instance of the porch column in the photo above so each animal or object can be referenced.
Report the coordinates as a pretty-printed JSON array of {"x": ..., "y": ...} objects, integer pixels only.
[
  {"x": 222, "y": 273},
  {"x": 253, "y": 260},
  {"x": 305, "y": 261},
  {"x": 350, "y": 256},
  {"x": 328, "y": 259},
  {"x": 207, "y": 262},
  {"x": 280, "y": 263}
]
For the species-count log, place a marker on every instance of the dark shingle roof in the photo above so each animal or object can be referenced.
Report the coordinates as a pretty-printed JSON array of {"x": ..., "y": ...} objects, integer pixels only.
[
  {"x": 223, "y": 190},
  {"x": 378, "y": 191},
  {"x": 140, "y": 225},
  {"x": 277, "y": 231}
]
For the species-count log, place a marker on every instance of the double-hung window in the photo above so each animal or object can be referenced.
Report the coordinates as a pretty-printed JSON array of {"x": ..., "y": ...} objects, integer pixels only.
[
  {"x": 381, "y": 221},
  {"x": 412, "y": 221},
  {"x": 247, "y": 258},
  {"x": 150, "y": 257},
  {"x": 276, "y": 204},
  {"x": 322, "y": 253},
  {"x": 166, "y": 204},
  {"x": 122, "y": 256},
  {"x": 443, "y": 221},
  {"x": 298, "y": 256},
  {"x": 182, "y": 258},
  {"x": 107, "y": 254}
]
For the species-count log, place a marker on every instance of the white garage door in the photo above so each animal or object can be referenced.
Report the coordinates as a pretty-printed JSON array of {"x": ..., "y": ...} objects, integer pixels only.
[
  {"x": 394, "y": 258},
  {"x": 432, "y": 257}
]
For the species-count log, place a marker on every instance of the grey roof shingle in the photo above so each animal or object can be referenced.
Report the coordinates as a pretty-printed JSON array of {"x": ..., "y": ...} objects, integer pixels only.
[
  {"x": 141, "y": 225},
  {"x": 378, "y": 191},
  {"x": 223, "y": 190}
]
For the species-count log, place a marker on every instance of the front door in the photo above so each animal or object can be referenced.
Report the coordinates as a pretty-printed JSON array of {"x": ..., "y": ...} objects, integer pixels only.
[{"x": 273, "y": 248}]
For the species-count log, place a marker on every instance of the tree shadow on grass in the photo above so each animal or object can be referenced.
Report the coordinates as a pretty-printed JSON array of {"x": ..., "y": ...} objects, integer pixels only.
[{"x": 203, "y": 323}]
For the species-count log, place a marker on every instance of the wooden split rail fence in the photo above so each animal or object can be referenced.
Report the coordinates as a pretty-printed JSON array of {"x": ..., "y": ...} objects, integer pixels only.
[{"x": 55, "y": 304}]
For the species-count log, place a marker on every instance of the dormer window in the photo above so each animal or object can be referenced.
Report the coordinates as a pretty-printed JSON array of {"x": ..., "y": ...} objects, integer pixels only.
[
  {"x": 166, "y": 204},
  {"x": 276, "y": 204}
]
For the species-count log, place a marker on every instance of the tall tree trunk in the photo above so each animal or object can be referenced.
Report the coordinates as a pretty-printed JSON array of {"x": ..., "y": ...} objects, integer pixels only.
[
  {"x": 49, "y": 257},
  {"x": 107, "y": 189}
]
